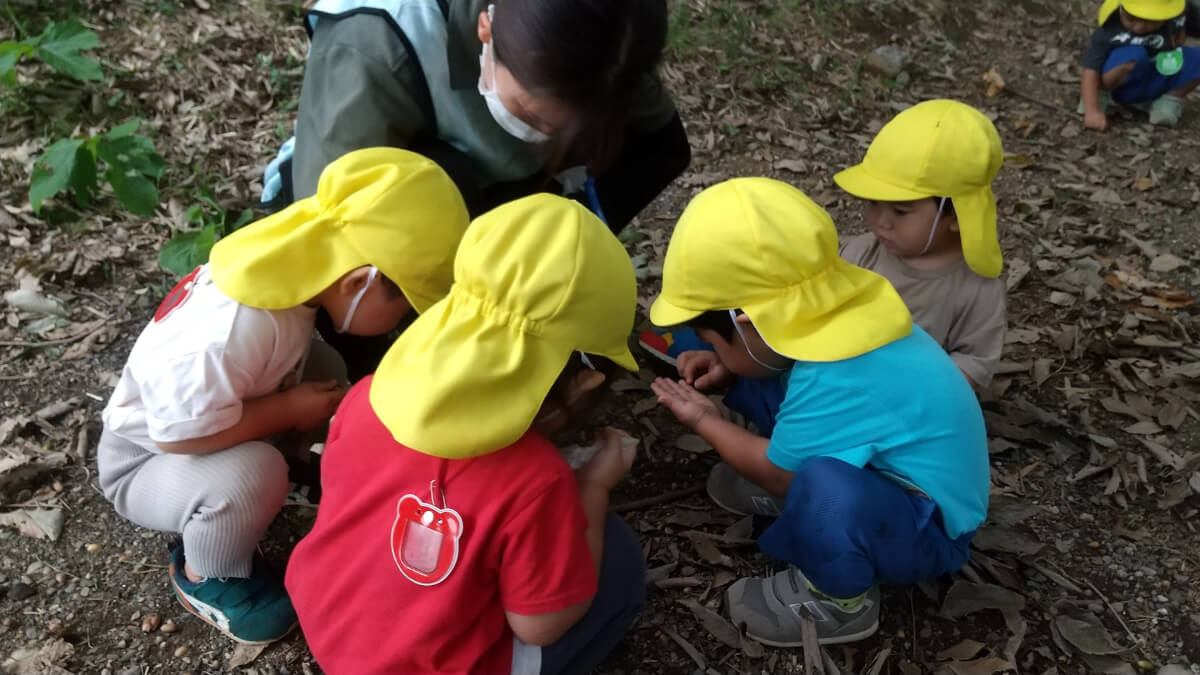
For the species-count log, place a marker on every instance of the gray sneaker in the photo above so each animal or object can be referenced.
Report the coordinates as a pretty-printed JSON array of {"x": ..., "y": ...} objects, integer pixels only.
[
  {"x": 737, "y": 495},
  {"x": 773, "y": 609}
]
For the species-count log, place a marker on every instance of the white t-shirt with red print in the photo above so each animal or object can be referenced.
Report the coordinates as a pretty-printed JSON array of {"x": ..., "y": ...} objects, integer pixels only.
[{"x": 200, "y": 357}]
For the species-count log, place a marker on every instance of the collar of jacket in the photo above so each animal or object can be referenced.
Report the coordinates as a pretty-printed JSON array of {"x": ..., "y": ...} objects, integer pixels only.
[{"x": 462, "y": 42}]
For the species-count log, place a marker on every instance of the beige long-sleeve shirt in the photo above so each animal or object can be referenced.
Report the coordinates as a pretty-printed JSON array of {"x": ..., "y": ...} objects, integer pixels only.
[{"x": 964, "y": 312}]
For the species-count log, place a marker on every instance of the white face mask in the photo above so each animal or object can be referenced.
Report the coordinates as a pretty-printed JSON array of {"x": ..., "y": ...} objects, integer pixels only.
[
  {"x": 738, "y": 326},
  {"x": 357, "y": 299},
  {"x": 515, "y": 126}
]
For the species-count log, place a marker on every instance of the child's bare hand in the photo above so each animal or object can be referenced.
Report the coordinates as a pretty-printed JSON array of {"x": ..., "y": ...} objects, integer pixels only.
[
  {"x": 682, "y": 399},
  {"x": 313, "y": 403},
  {"x": 1095, "y": 119},
  {"x": 703, "y": 369},
  {"x": 612, "y": 462}
]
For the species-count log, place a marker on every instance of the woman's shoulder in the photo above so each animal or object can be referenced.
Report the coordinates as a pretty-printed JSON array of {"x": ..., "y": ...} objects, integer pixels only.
[{"x": 371, "y": 35}]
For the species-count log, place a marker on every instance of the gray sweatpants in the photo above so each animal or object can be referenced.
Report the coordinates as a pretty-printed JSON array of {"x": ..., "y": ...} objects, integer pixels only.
[{"x": 221, "y": 502}]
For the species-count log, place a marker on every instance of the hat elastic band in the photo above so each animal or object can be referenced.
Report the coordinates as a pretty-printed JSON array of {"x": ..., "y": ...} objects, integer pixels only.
[
  {"x": 738, "y": 327},
  {"x": 357, "y": 299},
  {"x": 933, "y": 230}
]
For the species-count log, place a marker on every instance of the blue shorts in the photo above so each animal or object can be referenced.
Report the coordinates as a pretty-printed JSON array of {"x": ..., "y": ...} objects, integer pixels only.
[
  {"x": 848, "y": 528},
  {"x": 1145, "y": 83}
]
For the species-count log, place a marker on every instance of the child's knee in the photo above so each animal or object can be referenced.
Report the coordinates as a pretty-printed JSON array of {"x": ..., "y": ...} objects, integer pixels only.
[
  {"x": 1117, "y": 76},
  {"x": 259, "y": 475},
  {"x": 1120, "y": 64},
  {"x": 824, "y": 476}
]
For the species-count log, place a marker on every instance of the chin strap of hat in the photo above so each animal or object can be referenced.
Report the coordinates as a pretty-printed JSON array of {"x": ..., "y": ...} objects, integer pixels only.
[{"x": 933, "y": 230}]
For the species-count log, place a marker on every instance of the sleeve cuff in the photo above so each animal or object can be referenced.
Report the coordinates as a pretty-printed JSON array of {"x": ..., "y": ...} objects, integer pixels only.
[{"x": 173, "y": 431}]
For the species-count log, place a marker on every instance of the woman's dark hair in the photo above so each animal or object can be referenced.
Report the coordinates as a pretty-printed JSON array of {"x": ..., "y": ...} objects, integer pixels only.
[
  {"x": 717, "y": 320},
  {"x": 589, "y": 54}
]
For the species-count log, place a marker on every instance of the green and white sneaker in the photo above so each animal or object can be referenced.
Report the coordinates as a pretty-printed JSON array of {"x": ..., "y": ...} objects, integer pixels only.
[
  {"x": 773, "y": 610},
  {"x": 1166, "y": 110},
  {"x": 254, "y": 611}
]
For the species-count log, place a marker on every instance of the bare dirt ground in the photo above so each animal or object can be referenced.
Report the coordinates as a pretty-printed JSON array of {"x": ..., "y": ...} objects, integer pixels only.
[{"x": 1089, "y": 560}]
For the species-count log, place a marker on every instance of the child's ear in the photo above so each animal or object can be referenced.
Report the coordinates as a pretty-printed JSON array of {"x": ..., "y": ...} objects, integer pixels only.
[
  {"x": 353, "y": 281},
  {"x": 951, "y": 222},
  {"x": 583, "y": 383}
]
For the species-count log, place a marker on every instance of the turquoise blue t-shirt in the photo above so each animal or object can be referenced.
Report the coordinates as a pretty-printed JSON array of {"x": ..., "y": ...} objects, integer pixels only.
[{"x": 904, "y": 409}]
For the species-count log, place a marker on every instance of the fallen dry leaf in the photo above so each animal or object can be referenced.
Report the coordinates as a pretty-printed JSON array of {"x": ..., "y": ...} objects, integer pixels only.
[
  {"x": 1143, "y": 429},
  {"x": 966, "y": 597},
  {"x": 994, "y": 81},
  {"x": 1006, "y": 540},
  {"x": 244, "y": 655},
  {"x": 967, "y": 649},
  {"x": 45, "y": 659},
  {"x": 707, "y": 550},
  {"x": 1088, "y": 636},
  {"x": 985, "y": 666},
  {"x": 692, "y": 443},
  {"x": 716, "y": 625},
  {"x": 1167, "y": 262},
  {"x": 35, "y": 523}
]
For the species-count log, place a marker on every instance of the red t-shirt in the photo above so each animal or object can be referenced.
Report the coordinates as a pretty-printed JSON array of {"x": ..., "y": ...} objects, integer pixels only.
[{"x": 523, "y": 549}]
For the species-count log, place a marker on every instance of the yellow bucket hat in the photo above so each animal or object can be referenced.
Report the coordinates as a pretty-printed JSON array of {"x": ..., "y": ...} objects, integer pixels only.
[
  {"x": 1150, "y": 10},
  {"x": 534, "y": 281},
  {"x": 385, "y": 207},
  {"x": 938, "y": 148},
  {"x": 763, "y": 246}
]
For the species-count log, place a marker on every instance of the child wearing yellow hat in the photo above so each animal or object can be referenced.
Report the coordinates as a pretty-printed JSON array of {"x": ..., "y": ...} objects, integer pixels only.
[
  {"x": 1138, "y": 55},
  {"x": 185, "y": 446},
  {"x": 927, "y": 177},
  {"x": 876, "y": 461},
  {"x": 497, "y": 558}
]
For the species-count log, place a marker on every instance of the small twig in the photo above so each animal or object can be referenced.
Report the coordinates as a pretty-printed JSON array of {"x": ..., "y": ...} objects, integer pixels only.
[
  {"x": 61, "y": 341},
  {"x": 1137, "y": 643},
  {"x": 55, "y": 568},
  {"x": 1032, "y": 99},
  {"x": 665, "y": 498},
  {"x": 48, "y": 343},
  {"x": 6, "y": 378},
  {"x": 686, "y": 646}
]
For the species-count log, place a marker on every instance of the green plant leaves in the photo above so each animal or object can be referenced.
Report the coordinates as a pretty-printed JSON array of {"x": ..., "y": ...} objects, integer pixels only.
[
  {"x": 132, "y": 168},
  {"x": 186, "y": 250},
  {"x": 12, "y": 51},
  {"x": 134, "y": 190},
  {"x": 129, "y": 152},
  {"x": 59, "y": 46},
  {"x": 52, "y": 171}
]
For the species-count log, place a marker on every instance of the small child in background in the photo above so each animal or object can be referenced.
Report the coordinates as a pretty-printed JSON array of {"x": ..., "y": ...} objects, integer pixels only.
[
  {"x": 874, "y": 437},
  {"x": 186, "y": 446},
  {"x": 1138, "y": 55},
  {"x": 932, "y": 214},
  {"x": 452, "y": 537}
]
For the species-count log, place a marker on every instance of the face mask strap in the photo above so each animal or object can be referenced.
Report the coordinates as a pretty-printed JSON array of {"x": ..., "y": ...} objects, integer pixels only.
[
  {"x": 513, "y": 125},
  {"x": 738, "y": 327},
  {"x": 357, "y": 299},
  {"x": 933, "y": 230}
]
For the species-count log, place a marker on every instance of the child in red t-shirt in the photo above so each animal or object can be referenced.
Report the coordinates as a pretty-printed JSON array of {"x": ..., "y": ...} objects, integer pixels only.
[{"x": 451, "y": 537}]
